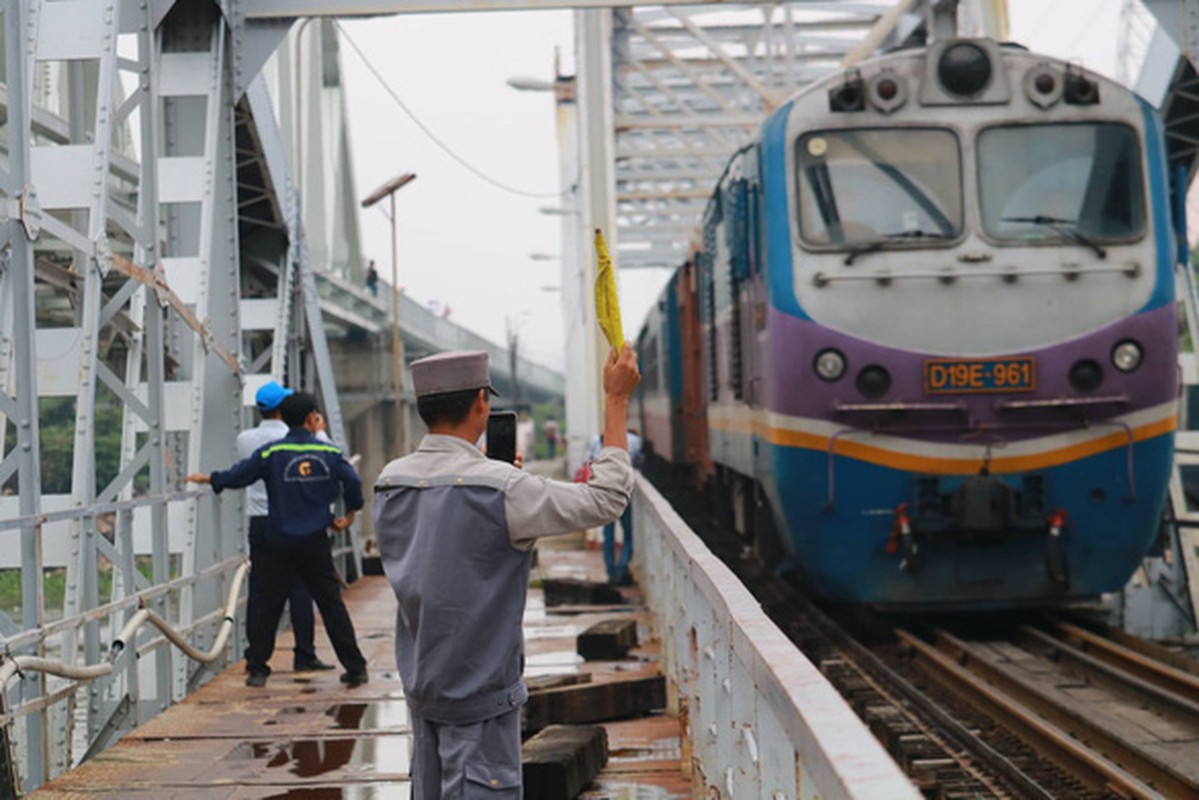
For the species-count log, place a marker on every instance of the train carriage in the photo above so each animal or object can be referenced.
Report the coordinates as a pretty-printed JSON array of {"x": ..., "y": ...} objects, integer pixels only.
[{"x": 937, "y": 328}]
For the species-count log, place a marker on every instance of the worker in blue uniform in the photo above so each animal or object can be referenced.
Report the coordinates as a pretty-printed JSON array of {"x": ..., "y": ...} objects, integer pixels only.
[
  {"x": 303, "y": 477},
  {"x": 299, "y": 601},
  {"x": 456, "y": 532},
  {"x": 617, "y": 567}
]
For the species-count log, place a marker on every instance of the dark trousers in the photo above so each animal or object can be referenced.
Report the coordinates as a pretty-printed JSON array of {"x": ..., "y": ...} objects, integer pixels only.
[
  {"x": 299, "y": 599},
  {"x": 282, "y": 559},
  {"x": 619, "y": 568}
]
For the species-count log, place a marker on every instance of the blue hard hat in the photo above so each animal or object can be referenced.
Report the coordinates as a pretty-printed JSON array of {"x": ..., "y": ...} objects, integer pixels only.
[{"x": 271, "y": 395}]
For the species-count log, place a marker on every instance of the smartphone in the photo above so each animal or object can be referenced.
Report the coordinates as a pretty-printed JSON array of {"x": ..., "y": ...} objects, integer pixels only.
[{"x": 501, "y": 436}]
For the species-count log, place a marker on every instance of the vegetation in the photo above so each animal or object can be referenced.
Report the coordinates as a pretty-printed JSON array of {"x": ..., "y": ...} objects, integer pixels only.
[
  {"x": 56, "y": 427},
  {"x": 54, "y": 586}
]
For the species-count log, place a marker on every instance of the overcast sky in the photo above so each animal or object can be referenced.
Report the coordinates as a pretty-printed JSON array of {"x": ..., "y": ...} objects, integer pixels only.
[{"x": 467, "y": 244}]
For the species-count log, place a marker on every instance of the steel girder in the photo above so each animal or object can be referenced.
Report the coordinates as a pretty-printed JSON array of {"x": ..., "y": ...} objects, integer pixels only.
[
  {"x": 1169, "y": 74},
  {"x": 690, "y": 87}
]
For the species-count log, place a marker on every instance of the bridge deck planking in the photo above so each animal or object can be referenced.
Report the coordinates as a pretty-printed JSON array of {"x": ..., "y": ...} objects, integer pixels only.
[{"x": 307, "y": 737}]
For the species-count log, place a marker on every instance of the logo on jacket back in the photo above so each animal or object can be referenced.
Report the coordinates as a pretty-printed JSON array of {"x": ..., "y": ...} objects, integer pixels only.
[{"x": 306, "y": 468}]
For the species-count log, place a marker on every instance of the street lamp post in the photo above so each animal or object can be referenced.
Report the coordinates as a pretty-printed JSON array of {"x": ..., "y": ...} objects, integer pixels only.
[
  {"x": 584, "y": 395},
  {"x": 389, "y": 190}
]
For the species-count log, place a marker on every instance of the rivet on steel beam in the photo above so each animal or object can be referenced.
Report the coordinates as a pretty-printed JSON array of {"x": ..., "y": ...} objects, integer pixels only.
[
  {"x": 710, "y": 653},
  {"x": 750, "y": 743},
  {"x": 712, "y": 730},
  {"x": 727, "y": 685},
  {"x": 728, "y": 780}
]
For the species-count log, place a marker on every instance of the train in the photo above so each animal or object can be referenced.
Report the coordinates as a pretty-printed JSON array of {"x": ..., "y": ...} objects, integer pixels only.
[{"x": 924, "y": 353}]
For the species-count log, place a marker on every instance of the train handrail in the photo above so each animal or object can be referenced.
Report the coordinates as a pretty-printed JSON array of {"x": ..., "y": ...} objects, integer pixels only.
[
  {"x": 1063, "y": 402},
  {"x": 1069, "y": 272},
  {"x": 15, "y": 665}
]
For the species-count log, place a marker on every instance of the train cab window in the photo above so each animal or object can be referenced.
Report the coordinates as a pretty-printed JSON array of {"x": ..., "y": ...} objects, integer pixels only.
[
  {"x": 1079, "y": 182},
  {"x": 879, "y": 188}
]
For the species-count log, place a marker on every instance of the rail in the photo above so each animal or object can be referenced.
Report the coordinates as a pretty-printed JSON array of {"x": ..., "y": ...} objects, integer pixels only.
[
  {"x": 761, "y": 718},
  {"x": 1097, "y": 755}
]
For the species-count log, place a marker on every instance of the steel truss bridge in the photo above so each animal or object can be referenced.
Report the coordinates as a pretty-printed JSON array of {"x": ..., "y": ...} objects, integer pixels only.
[{"x": 178, "y": 226}]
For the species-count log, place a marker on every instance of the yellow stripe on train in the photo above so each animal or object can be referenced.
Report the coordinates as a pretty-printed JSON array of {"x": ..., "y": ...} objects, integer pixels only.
[{"x": 934, "y": 465}]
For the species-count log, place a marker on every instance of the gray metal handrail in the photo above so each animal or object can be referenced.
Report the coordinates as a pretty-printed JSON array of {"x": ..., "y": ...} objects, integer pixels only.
[
  {"x": 17, "y": 664},
  {"x": 95, "y": 509}
]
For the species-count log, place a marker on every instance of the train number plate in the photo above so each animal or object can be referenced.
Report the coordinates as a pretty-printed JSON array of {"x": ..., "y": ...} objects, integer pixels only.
[{"x": 967, "y": 376}]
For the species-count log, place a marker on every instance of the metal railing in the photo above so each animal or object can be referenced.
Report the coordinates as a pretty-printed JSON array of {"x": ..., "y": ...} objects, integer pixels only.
[
  {"x": 18, "y": 665},
  {"x": 72, "y": 684},
  {"x": 762, "y": 720}
]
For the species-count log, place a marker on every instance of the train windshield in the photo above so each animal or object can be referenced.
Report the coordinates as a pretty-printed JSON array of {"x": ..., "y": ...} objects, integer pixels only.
[
  {"x": 876, "y": 188},
  {"x": 1078, "y": 182}
]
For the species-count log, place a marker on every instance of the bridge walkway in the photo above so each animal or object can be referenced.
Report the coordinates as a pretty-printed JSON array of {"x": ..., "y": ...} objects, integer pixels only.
[{"x": 307, "y": 737}]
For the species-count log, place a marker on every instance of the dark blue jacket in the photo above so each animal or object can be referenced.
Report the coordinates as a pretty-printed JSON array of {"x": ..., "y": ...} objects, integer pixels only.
[{"x": 303, "y": 477}]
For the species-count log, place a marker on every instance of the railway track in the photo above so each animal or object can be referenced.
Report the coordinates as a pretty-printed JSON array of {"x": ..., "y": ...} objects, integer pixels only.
[
  {"x": 1121, "y": 722},
  {"x": 982, "y": 707}
]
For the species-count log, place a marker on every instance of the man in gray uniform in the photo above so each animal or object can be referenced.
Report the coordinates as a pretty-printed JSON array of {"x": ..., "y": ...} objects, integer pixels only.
[{"x": 456, "y": 531}]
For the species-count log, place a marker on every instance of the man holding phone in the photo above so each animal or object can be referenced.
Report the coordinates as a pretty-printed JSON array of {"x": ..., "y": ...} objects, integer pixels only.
[{"x": 456, "y": 531}]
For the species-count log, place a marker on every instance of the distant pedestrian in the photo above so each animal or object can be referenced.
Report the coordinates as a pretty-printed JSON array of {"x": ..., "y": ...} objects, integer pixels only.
[
  {"x": 550, "y": 429},
  {"x": 618, "y": 568},
  {"x": 299, "y": 600},
  {"x": 372, "y": 279},
  {"x": 455, "y": 531},
  {"x": 303, "y": 476}
]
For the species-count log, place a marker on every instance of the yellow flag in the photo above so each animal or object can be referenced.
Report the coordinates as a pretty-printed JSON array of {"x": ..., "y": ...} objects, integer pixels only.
[{"x": 607, "y": 304}]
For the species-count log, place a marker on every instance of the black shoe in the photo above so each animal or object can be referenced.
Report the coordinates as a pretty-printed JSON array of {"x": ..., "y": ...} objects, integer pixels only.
[
  {"x": 354, "y": 678},
  {"x": 256, "y": 679},
  {"x": 625, "y": 580},
  {"x": 310, "y": 665}
]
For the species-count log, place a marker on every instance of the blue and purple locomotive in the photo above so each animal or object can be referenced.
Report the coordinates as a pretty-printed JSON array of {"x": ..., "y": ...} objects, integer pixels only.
[{"x": 927, "y": 352}]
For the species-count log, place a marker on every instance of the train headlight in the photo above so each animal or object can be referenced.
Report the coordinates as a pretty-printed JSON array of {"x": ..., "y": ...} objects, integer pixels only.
[
  {"x": 1078, "y": 90},
  {"x": 1043, "y": 86},
  {"x": 829, "y": 365},
  {"x": 849, "y": 96},
  {"x": 874, "y": 381},
  {"x": 1127, "y": 356},
  {"x": 887, "y": 91},
  {"x": 1086, "y": 375},
  {"x": 964, "y": 69}
]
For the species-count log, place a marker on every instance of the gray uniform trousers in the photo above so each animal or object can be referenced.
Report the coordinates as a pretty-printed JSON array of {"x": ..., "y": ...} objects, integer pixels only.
[{"x": 480, "y": 761}]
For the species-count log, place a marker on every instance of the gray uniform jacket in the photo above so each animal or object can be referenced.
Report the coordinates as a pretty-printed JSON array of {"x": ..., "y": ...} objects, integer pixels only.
[{"x": 455, "y": 531}]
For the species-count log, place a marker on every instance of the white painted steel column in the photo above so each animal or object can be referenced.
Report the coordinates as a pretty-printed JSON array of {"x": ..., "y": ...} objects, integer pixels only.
[
  {"x": 578, "y": 318},
  {"x": 593, "y": 29},
  {"x": 18, "y": 259}
]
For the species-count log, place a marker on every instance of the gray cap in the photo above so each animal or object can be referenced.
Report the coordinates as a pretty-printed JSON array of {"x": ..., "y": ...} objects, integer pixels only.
[{"x": 456, "y": 371}]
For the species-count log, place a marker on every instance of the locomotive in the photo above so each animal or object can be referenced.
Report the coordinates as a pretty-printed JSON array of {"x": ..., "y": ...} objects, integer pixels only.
[{"x": 925, "y": 352}]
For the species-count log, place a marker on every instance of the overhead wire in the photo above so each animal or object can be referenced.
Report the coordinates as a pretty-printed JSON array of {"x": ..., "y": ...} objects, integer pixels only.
[{"x": 430, "y": 134}]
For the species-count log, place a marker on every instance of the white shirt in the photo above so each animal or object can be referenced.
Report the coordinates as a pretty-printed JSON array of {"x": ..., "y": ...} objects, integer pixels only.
[
  {"x": 269, "y": 430},
  {"x": 597, "y": 443}
]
